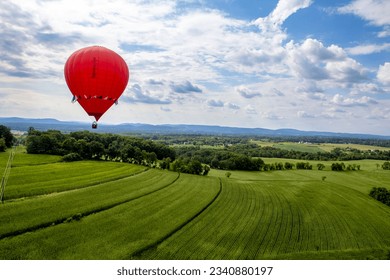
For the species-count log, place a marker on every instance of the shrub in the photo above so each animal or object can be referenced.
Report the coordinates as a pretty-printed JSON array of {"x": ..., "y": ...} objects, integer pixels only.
[
  {"x": 336, "y": 166},
  {"x": 304, "y": 165},
  {"x": 71, "y": 157},
  {"x": 381, "y": 194}
]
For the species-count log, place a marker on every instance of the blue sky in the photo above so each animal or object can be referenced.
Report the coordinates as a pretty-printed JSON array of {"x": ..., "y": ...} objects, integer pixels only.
[{"x": 304, "y": 64}]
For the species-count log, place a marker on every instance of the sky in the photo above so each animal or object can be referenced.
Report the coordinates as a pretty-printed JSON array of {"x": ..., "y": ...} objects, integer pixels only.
[{"x": 314, "y": 65}]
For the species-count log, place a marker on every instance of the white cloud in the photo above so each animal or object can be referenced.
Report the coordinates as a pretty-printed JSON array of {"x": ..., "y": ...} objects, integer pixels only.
[
  {"x": 313, "y": 61},
  {"x": 384, "y": 73},
  {"x": 249, "y": 109},
  {"x": 215, "y": 103},
  {"x": 185, "y": 60},
  {"x": 247, "y": 93},
  {"x": 304, "y": 115},
  {"x": 340, "y": 100},
  {"x": 140, "y": 95},
  {"x": 368, "y": 49},
  {"x": 233, "y": 106},
  {"x": 374, "y": 11},
  {"x": 283, "y": 10}
]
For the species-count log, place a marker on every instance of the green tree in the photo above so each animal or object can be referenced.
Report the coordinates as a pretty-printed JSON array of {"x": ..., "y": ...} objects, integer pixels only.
[
  {"x": 336, "y": 166},
  {"x": 320, "y": 166},
  {"x": 96, "y": 149},
  {"x": 165, "y": 163},
  {"x": 288, "y": 165},
  {"x": 206, "y": 170},
  {"x": 6, "y": 134},
  {"x": 2, "y": 145},
  {"x": 381, "y": 194}
]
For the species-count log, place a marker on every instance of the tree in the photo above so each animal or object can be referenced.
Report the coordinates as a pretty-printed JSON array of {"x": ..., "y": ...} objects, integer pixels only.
[
  {"x": 386, "y": 165},
  {"x": 165, "y": 163},
  {"x": 381, "y": 194},
  {"x": 195, "y": 167},
  {"x": 336, "y": 166},
  {"x": 320, "y": 166},
  {"x": 2, "y": 145},
  {"x": 206, "y": 170},
  {"x": 71, "y": 157},
  {"x": 304, "y": 165},
  {"x": 6, "y": 134},
  {"x": 96, "y": 149},
  {"x": 288, "y": 165}
]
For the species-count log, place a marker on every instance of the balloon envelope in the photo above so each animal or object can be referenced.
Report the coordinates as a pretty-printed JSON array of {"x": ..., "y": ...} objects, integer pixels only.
[{"x": 97, "y": 77}]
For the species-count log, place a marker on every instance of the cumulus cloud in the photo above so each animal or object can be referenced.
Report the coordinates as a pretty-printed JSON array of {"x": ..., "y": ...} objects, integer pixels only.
[
  {"x": 283, "y": 10},
  {"x": 383, "y": 74},
  {"x": 177, "y": 54},
  {"x": 340, "y": 100},
  {"x": 247, "y": 93},
  {"x": 215, "y": 103},
  {"x": 373, "y": 11},
  {"x": 185, "y": 87},
  {"x": 249, "y": 109},
  {"x": 313, "y": 61},
  {"x": 368, "y": 49},
  {"x": 139, "y": 95},
  {"x": 271, "y": 116},
  {"x": 305, "y": 115},
  {"x": 233, "y": 106}
]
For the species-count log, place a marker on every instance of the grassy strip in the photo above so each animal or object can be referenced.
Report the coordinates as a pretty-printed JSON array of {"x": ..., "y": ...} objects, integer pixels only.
[
  {"x": 120, "y": 231},
  {"x": 281, "y": 218},
  {"x": 29, "y": 215},
  {"x": 348, "y": 254},
  {"x": 57, "y": 177},
  {"x": 138, "y": 253}
]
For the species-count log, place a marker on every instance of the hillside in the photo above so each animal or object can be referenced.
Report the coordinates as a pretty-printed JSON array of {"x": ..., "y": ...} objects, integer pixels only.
[
  {"x": 23, "y": 124},
  {"x": 113, "y": 210}
]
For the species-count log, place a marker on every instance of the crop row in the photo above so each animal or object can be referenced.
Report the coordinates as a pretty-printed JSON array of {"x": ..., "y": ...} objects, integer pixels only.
[
  {"x": 120, "y": 231},
  {"x": 34, "y": 180},
  {"x": 256, "y": 220},
  {"x": 30, "y": 214}
]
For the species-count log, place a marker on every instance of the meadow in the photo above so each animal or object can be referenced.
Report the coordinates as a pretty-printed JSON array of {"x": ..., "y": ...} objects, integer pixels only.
[
  {"x": 113, "y": 210},
  {"x": 316, "y": 147}
]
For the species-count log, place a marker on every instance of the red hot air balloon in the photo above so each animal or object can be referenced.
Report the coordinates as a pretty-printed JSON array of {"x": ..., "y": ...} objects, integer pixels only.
[{"x": 97, "y": 77}]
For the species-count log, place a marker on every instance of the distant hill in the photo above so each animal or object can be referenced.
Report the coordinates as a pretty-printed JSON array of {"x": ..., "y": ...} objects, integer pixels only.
[{"x": 23, "y": 124}]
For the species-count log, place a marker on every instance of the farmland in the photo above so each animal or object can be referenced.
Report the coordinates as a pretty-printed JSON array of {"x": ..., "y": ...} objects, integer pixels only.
[
  {"x": 316, "y": 147},
  {"x": 114, "y": 210}
]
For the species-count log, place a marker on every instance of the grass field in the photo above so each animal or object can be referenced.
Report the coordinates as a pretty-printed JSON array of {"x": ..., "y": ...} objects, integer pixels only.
[
  {"x": 106, "y": 210},
  {"x": 315, "y": 148}
]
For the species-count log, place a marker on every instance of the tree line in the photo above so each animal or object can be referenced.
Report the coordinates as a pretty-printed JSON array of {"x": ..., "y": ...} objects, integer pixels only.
[
  {"x": 98, "y": 146},
  {"x": 339, "y": 154},
  {"x": 88, "y": 145}
]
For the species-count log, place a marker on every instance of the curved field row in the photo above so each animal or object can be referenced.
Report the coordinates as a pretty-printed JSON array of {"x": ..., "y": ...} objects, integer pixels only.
[
  {"x": 265, "y": 219},
  {"x": 119, "y": 232},
  {"x": 23, "y": 159},
  {"x": 35, "y": 180},
  {"x": 30, "y": 214}
]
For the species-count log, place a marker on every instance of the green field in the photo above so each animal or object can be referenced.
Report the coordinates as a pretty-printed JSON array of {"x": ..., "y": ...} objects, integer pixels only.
[
  {"x": 316, "y": 147},
  {"x": 108, "y": 210}
]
